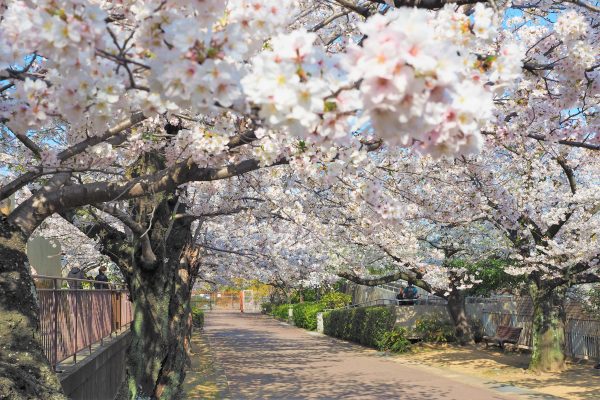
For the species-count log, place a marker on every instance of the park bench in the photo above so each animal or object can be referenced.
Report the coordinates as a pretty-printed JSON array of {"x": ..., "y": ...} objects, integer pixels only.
[{"x": 504, "y": 334}]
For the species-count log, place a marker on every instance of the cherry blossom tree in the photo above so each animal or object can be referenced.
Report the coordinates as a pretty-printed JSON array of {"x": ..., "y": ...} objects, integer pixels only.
[
  {"x": 105, "y": 103},
  {"x": 355, "y": 242},
  {"x": 538, "y": 206}
]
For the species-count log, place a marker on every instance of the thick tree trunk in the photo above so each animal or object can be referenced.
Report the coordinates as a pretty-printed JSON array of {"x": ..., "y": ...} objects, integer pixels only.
[
  {"x": 457, "y": 311},
  {"x": 161, "y": 293},
  {"x": 25, "y": 372},
  {"x": 161, "y": 332},
  {"x": 548, "y": 329}
]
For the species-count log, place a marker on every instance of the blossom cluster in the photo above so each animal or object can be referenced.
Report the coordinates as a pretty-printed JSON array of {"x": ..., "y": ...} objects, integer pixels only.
[
  {"x": 66, "y": 35},
  {"x": 195, "y": 61},
  {"x": 291, "y": 81},
  {"x": 418, "y": 89}
]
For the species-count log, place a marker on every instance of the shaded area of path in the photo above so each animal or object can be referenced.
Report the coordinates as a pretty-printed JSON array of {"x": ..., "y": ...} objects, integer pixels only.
[
  {"x": 204, "y": 377},
  {"x": 266, "y": 359}
]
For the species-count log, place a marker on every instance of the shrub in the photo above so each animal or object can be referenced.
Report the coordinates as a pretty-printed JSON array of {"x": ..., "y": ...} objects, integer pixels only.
[
  {"x": 335, "y": 300},
  {"x": 304, "y": 295},
  {"x": 266, "y": 308},
  {"x": 305, "y": 315},
  {"x": 364, "y": 325},
  {"x": 476, "y": 329},
  {"x": 198, "y": 317},
  {"x": 281, "y": 311},
  {"x": 395, "y": 341},
  {"x": 434, "y": 330}
]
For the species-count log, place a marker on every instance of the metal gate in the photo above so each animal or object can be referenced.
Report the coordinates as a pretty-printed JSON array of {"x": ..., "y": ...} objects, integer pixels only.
[{"x": 249, "y": 303}]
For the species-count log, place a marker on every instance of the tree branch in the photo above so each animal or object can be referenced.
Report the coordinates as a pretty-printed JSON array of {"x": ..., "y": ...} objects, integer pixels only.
[
  {"x": 553, "y": 230},
  {"x": 582, "y": 3},
  {"x": 29, "y": 214},
  {"x": 30, "y": 144},
  {"x": 123, "y": 217},
  {"x": 386, "y": 279},
  {"x": 428, "y": 4},
  {"x": 110, "y": 136}
]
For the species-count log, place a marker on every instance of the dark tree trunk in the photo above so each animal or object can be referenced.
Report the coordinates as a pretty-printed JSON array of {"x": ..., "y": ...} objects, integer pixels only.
[
  {"x": 548, "y": 329},
  {"x": 161, "y": 331},
  {"x": 161, "y": 293},
  {"x": 457, "y": 311},
  {"x": 25, "y": 372}
]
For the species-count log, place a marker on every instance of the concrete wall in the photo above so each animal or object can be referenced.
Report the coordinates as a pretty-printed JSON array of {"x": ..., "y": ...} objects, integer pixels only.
[
  {"x": 406, "y": 316},
  {"x": 100, "y": 375},
  {"x": 362, "y": 294}
]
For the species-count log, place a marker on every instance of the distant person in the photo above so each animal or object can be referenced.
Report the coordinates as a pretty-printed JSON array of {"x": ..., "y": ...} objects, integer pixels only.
[
  {"x": 76, "y": 273},
  {"x": 400, "y": 295},
  {"x": 101, "y": 278},
  {"x": 410, "y": 293}
]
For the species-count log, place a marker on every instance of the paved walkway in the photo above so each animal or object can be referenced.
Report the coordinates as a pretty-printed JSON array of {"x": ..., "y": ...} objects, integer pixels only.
[{"x": 265, "y": 359}]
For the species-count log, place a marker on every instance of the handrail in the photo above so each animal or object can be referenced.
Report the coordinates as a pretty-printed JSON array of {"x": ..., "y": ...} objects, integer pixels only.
[
  {"x": 426, "y": 300},
  {"x": 73, "y": 319},
  {"x": 122, "y": 285}
]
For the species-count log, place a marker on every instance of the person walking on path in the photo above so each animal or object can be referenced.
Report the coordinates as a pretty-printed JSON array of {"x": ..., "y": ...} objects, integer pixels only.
[{"x": 101, "y": 278}]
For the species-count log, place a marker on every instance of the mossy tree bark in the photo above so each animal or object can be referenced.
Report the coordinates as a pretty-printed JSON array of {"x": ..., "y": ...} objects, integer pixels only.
[
  {"x": 161, "y": 325},
  {"x": 548, "y": 339},
  {"x": 160, "y": 282},
  {"x": 25, "y": 372},
  {"x": 161, "y": 332},
  {"x": 160, "y": 271}
]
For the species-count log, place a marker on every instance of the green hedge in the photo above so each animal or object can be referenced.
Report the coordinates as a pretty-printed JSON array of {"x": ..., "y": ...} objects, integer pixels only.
[
  {"x": 364, "y": 325},
  {"x": 305, "y": 315},
  {"x": 281, "y": 311},
  {"x": 198, "y": 317}
]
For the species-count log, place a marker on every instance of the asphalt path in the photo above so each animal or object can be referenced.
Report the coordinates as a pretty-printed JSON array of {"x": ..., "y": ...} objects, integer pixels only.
[{"x": 266, "y": 359}]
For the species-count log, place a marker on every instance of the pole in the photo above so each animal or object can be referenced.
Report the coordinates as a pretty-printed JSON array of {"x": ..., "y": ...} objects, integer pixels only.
[
  {"x": 112, "y": 310},
  {"x": 76, "y": 318},
  {"x": 55, "y": 336}
]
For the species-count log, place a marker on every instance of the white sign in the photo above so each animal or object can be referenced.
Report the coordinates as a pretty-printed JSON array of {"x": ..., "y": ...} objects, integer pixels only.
[{"x": 44, "y": 256}]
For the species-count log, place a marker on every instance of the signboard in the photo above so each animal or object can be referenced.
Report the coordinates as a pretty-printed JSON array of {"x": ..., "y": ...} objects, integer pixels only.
[{"x": 44, "y": 256}]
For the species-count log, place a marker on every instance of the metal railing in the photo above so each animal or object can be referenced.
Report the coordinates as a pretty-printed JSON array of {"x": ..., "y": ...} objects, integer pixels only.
[
  {"x": 582, "y": 336},
  {"x": 424, "y": 300},
  {"x": 74, "y": 318},
  {"x": 491, "y": 299}
]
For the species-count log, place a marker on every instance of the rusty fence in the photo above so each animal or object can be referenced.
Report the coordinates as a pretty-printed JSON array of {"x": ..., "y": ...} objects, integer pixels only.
[{"x": 74, "y": 316}]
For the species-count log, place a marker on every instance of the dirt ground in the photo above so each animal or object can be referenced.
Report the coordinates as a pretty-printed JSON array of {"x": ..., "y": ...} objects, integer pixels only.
[
  {"x": 204, "y": 379},
  {"x": 578, "y": 381}
]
